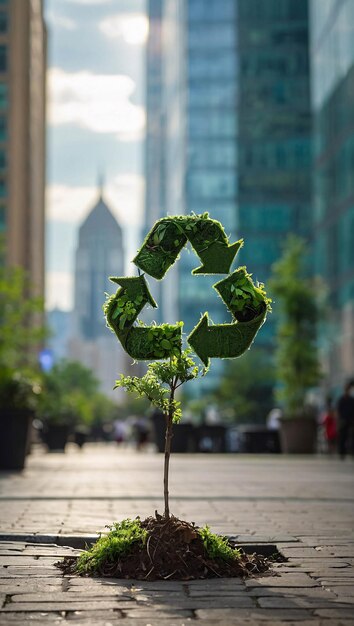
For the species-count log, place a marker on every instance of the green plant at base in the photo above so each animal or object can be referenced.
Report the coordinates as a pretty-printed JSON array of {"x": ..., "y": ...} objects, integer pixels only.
[
  {"x": 120, "y": 540},
  {"x": 217, "y": 547},
  {"x": 297, "y": 364}
]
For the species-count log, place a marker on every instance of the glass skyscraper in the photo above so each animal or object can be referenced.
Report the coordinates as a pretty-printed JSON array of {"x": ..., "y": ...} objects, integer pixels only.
[
  {"x": 236, "y": 115},
  {"x": 332, "y": 53},
  {"x": 210, "y": 141},
  {"x": 199, "y": 127},
  {"x": 274, "y": 137}
]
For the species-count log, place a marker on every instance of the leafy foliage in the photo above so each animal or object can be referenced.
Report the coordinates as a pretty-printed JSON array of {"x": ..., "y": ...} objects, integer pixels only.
[
  {"x": 245, "y": 391},
  {"x": 120, "y": 540},
  {"x": 297, "y": 364},
  {"x": 22, "y": 331},
  {"x": 217, "y": 547},
  {"x": 18, "y": 391},
  {"x": 70, "y": 394},
  {"x": 125, "y": 310},
  {"x": 21, "y": 321},
  {"x": 245, "y": 299},
  {"x": 160, "y": 379}
]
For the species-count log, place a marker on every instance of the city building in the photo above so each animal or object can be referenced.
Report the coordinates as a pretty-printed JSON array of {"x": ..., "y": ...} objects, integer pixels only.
[
  {"x": 154, "y": 143},
  {"x": 332, "y": 54},
  {"x": 59, "y": 324},
  {"x": 195, "y": 146},
  {"x": 22, "y": 135},
  {"x": 99, "y": 254},
  {"x": 274, "y": 133},
  {"x": 233, "y": 104}
]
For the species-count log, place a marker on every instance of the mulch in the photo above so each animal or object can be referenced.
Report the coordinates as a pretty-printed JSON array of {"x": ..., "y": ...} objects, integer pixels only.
[{"x": 174, "y": 551}]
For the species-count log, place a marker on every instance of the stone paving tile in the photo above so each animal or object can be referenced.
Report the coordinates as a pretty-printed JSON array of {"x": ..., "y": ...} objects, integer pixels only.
[
  {"x": 69, "y": 605},
  {"x": 56, "y": 495},
  {"x": 270, "y": 615},
  {"x": 335, "y": 613}
]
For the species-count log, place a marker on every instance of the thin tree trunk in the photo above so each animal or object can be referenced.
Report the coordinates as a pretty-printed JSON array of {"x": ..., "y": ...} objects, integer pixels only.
[{"x": 168, "y": 438}]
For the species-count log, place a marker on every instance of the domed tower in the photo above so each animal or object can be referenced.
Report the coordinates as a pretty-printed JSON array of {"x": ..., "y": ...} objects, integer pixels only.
[{"x": 100, "y": 254}]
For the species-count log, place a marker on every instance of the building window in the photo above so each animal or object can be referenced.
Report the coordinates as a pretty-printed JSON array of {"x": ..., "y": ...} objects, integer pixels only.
[
  {"x": 3, "y": 188},
  {"x": 3, "y": 58},
  {"x": 3, "y": 23},
  {"x": 2, "y": 219},
  {"x": 3, "y": 161},
  {"x": 3, "y": 96},
  {"x": 3, "y": 128}
]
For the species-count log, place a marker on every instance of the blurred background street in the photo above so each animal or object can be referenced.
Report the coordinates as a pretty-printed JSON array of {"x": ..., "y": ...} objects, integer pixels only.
[
  {"x": 115, "y": 114},
  {"x": 274, "y": 498}
]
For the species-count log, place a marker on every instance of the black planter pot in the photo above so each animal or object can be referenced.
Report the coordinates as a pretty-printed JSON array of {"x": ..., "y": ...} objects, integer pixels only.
[
  {"x": 298, "y": 435},
  {"x": 211, "y": 438},
  {"x": 80, "y": 438},
  {"x": 183, "y": 435},
  {"x": 14, "y": 432},
  {"x": 55, "y": 436}
]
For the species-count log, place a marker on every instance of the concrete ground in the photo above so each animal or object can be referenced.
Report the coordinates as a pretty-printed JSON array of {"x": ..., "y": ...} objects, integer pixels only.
[{"x": 304, "y": 505}]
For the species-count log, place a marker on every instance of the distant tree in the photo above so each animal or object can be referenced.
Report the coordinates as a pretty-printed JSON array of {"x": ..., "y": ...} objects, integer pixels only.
[
  {"x": 245, "y": 391},
  {"x": 21, "y": 320},
  {"x": 296, "y": 357},
  {"x": 69, "y": 393}
]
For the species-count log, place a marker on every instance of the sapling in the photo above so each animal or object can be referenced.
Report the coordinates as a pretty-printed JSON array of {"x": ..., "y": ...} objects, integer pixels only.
[
  {"x": 159, "y": 386},
  {"x": 150, "y": 548}
]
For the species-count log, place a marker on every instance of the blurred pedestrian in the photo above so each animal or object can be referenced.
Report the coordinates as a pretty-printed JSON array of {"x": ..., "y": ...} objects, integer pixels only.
[
  {"x": 273, "y": 419},
  {"x": 329, "y": 424},
  {"x": 141, "y": 432},
  {"x": 345, "y": 412},
  {"x": 119, "y": 431}
]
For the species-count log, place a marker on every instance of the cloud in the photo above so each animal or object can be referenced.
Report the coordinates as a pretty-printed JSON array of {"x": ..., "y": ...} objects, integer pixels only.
[
  {"x": 59, "y": 290},
  {"x": 60, "y": 21},
  {"x": 133, "y": 28},
  {"x": 124, "y": 195},
  {"x": 98, "y": 102},
  {"x": 91, "y": 2}
]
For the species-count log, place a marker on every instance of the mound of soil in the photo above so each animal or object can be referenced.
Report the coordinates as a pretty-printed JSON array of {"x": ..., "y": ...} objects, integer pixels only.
[{"x": 173, "y": 551}]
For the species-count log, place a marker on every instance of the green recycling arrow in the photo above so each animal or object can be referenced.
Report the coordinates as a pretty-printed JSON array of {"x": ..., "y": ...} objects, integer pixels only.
[
  {"x": 248, "y": 305},
  {"x": 140, "y": 342},
  {"x": 164, "y": 242}
]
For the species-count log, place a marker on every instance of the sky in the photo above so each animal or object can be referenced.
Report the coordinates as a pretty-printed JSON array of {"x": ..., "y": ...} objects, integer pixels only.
[{"x": 95, "y": 125}]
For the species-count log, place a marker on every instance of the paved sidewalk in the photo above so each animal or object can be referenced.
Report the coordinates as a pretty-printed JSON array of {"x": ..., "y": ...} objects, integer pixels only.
[{"x": 304, "y": 505}]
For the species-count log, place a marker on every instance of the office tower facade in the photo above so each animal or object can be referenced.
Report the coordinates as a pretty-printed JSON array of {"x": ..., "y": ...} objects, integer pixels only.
[
  {"x": 22, "y": 135},
  {"x": 236, "y": 141},
  {"x": 99, "y": 255},
  {"x": 198, "y": 87},
  {"x": 154, "y": 142},
  {"x": 274, "y": 136},
  {"x": 332, "y": 51},
  {"x": 210, "y": 145}
]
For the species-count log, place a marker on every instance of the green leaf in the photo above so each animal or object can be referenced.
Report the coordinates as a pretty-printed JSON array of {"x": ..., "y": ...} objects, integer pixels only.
[{"x": 122, "y": 321}]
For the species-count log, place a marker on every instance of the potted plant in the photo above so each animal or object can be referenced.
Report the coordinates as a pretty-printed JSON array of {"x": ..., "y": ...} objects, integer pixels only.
[
  {"x": 22, "y": 331},
  {"x": 67, "y": 403},
  {"x": 18, "y": 401},
  {"x": 163, "y": 546},
  {"x": 297, "y": 363}
]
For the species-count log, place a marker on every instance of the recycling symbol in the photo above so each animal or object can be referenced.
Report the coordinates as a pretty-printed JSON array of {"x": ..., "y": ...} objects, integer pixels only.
[{"x": 247, "y": 302}]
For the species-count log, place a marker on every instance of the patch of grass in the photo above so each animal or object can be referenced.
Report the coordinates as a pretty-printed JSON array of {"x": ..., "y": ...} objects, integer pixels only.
[
  {"x": 120, "y": 540},
  {"x": 217, "y": 547}
]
